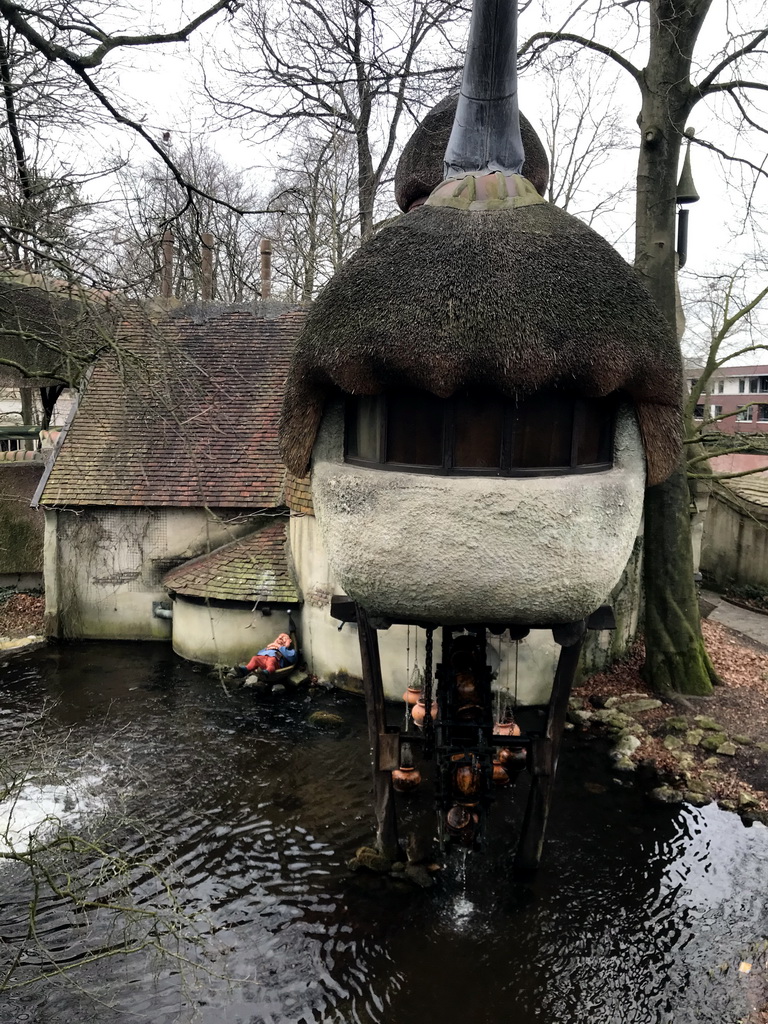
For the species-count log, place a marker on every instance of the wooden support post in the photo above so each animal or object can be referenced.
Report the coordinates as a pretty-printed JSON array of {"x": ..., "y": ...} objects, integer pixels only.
[
  {"x": 544, "y": 755},
  {"x": 383, "y": 793}
]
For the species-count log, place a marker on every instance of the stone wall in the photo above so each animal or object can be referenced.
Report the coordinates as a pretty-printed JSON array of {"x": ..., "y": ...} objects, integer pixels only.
[
  {"x": 735, "y": 544},
  {"x": 21, "y": 527}
]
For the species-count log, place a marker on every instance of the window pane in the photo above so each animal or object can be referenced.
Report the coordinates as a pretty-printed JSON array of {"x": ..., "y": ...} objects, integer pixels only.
[
  {"x": 594, "y": 442},
  {"x": 363, "y": 428},
  {"x": 762, "y": 413},
  {"x": 477, "y": 430},
  {"x": 542, "y": 433},
  {"x": 415, "y": 428},
  {"x": 753, "y": 385}
]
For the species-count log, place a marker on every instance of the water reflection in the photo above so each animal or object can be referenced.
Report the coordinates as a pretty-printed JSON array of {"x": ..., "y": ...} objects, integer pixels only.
[{"x": 630, "y": 919}]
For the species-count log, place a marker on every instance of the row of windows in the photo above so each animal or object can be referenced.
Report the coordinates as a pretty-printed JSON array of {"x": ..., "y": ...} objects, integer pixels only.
[
  {"x": 746, "y": 415},
  {"x": 479, "y": 432},
  {"x": 747, "y": 385}
]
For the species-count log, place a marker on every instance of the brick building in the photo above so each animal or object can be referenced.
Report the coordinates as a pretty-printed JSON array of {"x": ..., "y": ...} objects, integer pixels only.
[{"x": 738, "y": 390}]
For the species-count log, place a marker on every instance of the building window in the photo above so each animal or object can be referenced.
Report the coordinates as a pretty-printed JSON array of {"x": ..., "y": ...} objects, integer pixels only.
[
  {"x": 762, "y": 414},
  {"x": 741, "y": 385},
  {"x": 480, "y": 433},
  {"x": 763, "y": 386},
  {"x": 720, "y": 387},
  {"x": 717, "y": 410},
  {"x": 698, "y": 412},
  {"x": 692, "y": 382},
  {"x": 745, "y": 415}
]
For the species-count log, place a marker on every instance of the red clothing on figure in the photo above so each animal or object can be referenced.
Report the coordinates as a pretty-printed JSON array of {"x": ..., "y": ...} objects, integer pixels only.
[{"x": 266, "y": 662}]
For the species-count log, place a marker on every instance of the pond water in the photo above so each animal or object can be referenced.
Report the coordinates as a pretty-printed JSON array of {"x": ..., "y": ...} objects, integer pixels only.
[{"x": 640, "y": 913}]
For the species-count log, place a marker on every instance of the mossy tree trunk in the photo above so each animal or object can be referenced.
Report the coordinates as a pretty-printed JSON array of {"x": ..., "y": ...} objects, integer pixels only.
[{"x": 675, "y": 655}]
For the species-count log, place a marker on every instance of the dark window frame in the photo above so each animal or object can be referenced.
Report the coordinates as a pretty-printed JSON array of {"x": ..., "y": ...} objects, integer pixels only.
[{"x": 510, "y": 412}]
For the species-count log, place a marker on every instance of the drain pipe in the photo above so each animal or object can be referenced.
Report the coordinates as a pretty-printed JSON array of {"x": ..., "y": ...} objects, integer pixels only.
[{"x": 162, "y": 609}]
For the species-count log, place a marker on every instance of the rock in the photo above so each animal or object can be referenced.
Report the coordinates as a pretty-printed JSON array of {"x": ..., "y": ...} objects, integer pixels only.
[
  {"x": 398, "y": 867},
  {"x": 325, "y": 720},
  {"x": 703, "y": 722},
  {"x": 626, "y": 746},
  {"x": 712, "y": 762},
  {"x": 726, "y": 805},
  {"x": 580, "y": 717},
  {"x": 370, "y": 859},
  {"x": 676, "y": 723},
  {"x": 297, "y": 679},
  {"x": 693, "y": 737},
  {"x": 634, "y": 707},
  {"x": 762, "y": 747},
  {"x": 673, "y": 743},
  {"x": 419, "y": 875},
  {"x": 727, "y": 749},
  {"x": 713, "y": 741},
  {"x": 747, "y": 800},
  {"x": 697, "y": 797},
  {"x": 666, "y": 795},
  {"x": 594, "y": 787},
  {"x": 569, "y": 726},
  {"x": 255, "y": 682},
  {"x": 622, "y": 698},
  {"x": 684, "y": 758},
  {"x": 743, "y": 741},
  {"x": 624, "y": 764},
  {"x": 612, "y": 719}
]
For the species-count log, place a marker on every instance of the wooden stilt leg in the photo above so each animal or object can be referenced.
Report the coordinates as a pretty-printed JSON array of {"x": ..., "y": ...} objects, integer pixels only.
[
  {"x": 383, "y": 793},
  {"x": 545, "y": 752}
]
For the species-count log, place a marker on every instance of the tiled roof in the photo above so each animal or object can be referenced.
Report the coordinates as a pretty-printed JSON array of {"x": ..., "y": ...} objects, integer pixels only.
[
  {"x": 186, "y": 416},
  {"x": 254, "y": 568},
  {"x": 298, "y": 494}
]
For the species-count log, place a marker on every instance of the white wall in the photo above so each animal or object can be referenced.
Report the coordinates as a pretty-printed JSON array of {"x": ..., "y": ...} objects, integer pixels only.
[
  {"x": 335, "y": 655},
  {"x": 103, "y": 567},
  {"x": 218, "y": 635}
]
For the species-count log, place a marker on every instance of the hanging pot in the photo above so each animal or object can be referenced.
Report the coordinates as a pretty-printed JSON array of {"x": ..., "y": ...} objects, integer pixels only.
[
  {"x": 462, "y": 821},
  {"x": 419, "y": 712},
  {"x": 513, "y": 759},
  {"x": 506, "y": 728},
  {"x": 406, "y": 778},
  {"x": 412, "y": 695},
  {"x": 469, "y": 713},
  {"x": 500, "y": 777},
  {"x": 466, "y": 688},
  {"x": 466, "y": 776}
]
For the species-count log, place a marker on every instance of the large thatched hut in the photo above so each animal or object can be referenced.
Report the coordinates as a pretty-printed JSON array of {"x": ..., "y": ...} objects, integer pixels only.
[{"x": 507, "y": 368}]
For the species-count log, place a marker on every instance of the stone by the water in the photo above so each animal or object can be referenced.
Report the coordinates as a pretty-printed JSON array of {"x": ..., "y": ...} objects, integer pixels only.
[{"x": 325, "y": 720}]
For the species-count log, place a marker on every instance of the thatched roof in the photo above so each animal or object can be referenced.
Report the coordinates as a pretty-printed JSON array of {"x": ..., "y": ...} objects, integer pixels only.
[
  {"x": 420, "y": 168},
  {"x": 513, "y": 300}
]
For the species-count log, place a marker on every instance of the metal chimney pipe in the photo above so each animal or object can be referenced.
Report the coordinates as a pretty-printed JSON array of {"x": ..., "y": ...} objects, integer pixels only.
[
  {"x": 265, "y": 250},
  {"x": 206, "y": 287},
  {"x": 166, "y": 276},
  {"x": 486, "y": 129}
]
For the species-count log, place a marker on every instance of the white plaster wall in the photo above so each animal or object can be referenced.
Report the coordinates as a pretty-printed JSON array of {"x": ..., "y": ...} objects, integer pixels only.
[
  {"x": 530, "y": 550},
  {"x": 102, "y": 572},
  {"x": 222, "y": 635},
  {"x": 335, "y": 655}
]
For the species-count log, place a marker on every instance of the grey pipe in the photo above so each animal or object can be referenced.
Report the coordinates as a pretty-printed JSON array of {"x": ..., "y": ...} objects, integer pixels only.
[{"x": 486, "y": 130}]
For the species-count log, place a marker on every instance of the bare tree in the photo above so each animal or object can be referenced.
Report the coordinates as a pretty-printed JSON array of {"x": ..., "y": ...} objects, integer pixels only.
[
  {"x": 670, "y": 85},
  {"x": 153, "y": 201},
  {"x": 583, "y": 129},
  {"x": 350, "y": 66},
  {"x": 317, "y": 230}
]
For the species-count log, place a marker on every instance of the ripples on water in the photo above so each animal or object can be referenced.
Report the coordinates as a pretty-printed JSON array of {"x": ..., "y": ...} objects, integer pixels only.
[{"x": 630, "y": 920}]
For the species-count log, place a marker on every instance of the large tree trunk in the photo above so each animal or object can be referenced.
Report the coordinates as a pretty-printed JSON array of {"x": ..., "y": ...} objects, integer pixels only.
[{"x": 675, "y": 655}]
